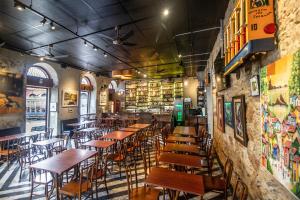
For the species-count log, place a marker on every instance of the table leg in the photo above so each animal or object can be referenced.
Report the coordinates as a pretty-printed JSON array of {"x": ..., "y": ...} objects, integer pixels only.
[{"x": 56, "y": 186}]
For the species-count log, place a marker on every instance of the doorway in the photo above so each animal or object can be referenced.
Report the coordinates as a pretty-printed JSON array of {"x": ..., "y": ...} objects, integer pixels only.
[{"x": 37, "y": 100}]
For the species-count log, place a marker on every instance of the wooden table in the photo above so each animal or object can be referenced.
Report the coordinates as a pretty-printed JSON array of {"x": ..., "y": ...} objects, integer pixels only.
[
  {"x": 63, "y": 162},
  {"x": 84, "y": 123},
  {"x": 118, "y": 135},
  {"x": 48, "y": 142},
  {"x": 17, "y": 136},
  {"x": 179, "y": 181},
  {"x": 181, "y": 160},
  {"x": 130, "y": 129},
  {"x": 173, "y": 147},
  {"x": 185, "y": 130},
  {"x": 99, "y": 144},
  {"x": 174, "y": 138},
  {"x": 139, "y": 126}
]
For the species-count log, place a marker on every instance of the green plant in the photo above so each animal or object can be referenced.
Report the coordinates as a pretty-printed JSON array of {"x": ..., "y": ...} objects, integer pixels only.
[
  {"x": 294, "y": 81},
  {"x": 269, "y": 167}
]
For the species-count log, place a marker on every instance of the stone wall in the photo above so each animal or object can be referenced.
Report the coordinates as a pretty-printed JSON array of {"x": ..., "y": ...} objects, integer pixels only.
[
  {"x": 65, "y": 78},
  {"x": 261, "y": 184}
]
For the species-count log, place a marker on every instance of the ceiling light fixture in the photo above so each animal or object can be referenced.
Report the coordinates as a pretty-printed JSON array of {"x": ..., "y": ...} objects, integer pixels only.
[
  {"x": 85, "y": 43},
  {"x": 185, "y": 82},
  {"x": 139, "y": 72},
  {"x": 43, "y": 22},
  {"x": 105, "y": 55},
  {"x": 41, "y": 58},
  {"x": 166, "y": 12},
  {"x": 145, "y": 75},
  {"x": 19, "y": 6},
  {"x": 52, "y": 26},
  {"x": 95, "y": 48},
  {"x": 179, "y": 55}
]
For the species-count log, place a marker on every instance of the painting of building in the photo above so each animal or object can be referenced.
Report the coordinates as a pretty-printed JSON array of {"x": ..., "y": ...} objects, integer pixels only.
[{"x": 280, "y": 113}]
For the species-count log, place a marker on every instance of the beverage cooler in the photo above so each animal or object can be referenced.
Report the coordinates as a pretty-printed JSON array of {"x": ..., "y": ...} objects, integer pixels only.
[{"x": 178, "y": 112}]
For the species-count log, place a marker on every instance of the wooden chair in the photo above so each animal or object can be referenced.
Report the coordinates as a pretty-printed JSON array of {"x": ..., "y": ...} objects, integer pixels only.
[
  {"x": 118, "y": 156},
  {"x": 24, "y": 158},
  {"x": 40, "y": 178},
  {"x": 82, "y": 185},
  {"x": 139, "y": 193},
  {"x": 220, "y": 184},
  {"x": 240, "y": 191},
  {"x": 9, "y": 149},
  {"x": 100, "y": 171}
]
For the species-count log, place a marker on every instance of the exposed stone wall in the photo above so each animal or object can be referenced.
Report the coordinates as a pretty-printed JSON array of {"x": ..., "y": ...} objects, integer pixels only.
[{"x": 261, "y": 184}]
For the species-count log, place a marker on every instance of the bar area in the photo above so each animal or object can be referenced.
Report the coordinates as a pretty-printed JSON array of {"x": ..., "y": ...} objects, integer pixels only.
[{"x": 150, "y": 99}]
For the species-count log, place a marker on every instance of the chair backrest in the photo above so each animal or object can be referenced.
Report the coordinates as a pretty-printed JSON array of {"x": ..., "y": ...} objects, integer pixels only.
[
  {"x": 130, "y": 176},
  {"x": 240, "y": 191},
  {"x": 86, "y": 176},
  {"x": 227, "y": 172}
]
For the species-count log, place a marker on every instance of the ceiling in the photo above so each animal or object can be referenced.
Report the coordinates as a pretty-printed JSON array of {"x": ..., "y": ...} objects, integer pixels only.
[{"x": 157, "y": 46}]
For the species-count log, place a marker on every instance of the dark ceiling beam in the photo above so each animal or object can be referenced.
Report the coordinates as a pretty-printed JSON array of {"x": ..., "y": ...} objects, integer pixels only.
[
  {"x": 196, "y": 54},
  {"x": 147, "y": 66},
  {"x": 75, "y": 33}
]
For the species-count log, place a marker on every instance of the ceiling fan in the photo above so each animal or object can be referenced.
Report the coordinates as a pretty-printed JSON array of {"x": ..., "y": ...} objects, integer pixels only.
[
  {"x": 2, "y": 44},
  {"x": 49, "y": 55},
  {"x": 120, "y": 40}
]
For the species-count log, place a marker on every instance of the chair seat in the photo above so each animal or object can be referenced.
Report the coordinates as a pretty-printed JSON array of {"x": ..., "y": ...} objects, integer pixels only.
[
  {"x": 43, "y": 178},
  {"x": 6, "y": 152},
  {"x": 73, "y": 188},
  {"x": 98, "y": 174},
  {"x": 214, "y": 183},
  {"x": 116, "y": 157},
  {"x": 144, "y": 193}
]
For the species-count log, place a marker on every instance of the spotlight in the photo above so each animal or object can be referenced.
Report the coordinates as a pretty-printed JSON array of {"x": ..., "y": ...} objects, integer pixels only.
[
  {"x": 179, "y": 55},
  {"x": 43, "y": 22},
  {"x": 139, "y": 72},
  {"x": 105, "y": 55},
  {"x": 95, "y": 48},
  {"x": 85, "y": 43},
  {"x": 52, "y": 26},
  {"x": 19, "y": 6},
  {"x": 166, "y": 12},
  {"x": 145, "y": 75},
  {"x": 41, "y": 58},
  {"x": 185, "y": 83}
]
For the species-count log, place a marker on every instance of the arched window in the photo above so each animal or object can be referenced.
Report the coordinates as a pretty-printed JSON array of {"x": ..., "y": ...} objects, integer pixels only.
[
  {"x": 37, "y": 72},
  {"x": 85, "y": 95}
]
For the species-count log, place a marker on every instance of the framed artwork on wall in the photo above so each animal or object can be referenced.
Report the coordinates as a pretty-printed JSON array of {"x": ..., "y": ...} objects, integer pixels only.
[
  {"x": 220, "y": 113},
  {"x": 239, "y": 119},
  {"x": 254, "y": 85},
  {"x": 69, "y": 98},
  {"x": 11, "y": 93},
  {"x": 228, "y": 113}
]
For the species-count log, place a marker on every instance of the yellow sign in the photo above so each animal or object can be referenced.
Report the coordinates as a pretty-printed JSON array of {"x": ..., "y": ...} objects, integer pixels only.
[{"x": 260, "y": 19}]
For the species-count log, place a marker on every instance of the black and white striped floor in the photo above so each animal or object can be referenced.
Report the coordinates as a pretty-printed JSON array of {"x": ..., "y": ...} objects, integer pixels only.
[{"x": 13, "y": 188}]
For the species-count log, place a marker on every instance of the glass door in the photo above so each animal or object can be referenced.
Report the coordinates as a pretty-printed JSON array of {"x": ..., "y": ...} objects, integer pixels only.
[{"x": 36, "y": 109}]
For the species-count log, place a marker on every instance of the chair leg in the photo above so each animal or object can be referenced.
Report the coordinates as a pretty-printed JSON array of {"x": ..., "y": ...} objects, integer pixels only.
[{"x": 96, "y": 189}]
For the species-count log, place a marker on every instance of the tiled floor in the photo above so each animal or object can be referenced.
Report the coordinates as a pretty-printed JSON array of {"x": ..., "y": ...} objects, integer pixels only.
[{"x": 13, "y": 188}]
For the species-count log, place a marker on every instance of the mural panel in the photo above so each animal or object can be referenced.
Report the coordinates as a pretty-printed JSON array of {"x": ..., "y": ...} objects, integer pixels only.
[{"x": 280, "y": 105}]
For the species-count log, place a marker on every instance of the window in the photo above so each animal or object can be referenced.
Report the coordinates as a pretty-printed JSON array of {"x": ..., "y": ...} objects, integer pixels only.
[
  {"x": 37, "y": 99},
  {"x": 85, "y": 95}
]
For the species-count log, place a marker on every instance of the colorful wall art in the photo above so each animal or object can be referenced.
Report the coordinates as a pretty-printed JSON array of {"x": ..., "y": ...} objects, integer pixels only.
[
  {"x": 220, "y": 113},
  {"x": 11, "y": 92},
  {"x": 70, "y": 98},
  {"x": 228, "y": 113},
  {"x": 280, "y": 112}
]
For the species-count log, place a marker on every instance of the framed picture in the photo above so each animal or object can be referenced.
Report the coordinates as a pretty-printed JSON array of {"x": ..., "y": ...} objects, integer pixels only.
[
  {"x": 69, "y": 98},
  {"x": 254, "y": 86},
  {"x": 239, "y": 119},
  {"x": 228, "y": 113},
  {"x": 220, "y": 113}
]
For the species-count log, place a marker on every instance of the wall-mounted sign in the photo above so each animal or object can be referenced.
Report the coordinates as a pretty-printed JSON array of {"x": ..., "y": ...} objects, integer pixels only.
[{"x": 250, "y": 30}]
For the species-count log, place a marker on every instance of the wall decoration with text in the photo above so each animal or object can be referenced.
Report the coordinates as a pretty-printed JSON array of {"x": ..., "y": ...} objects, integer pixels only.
[{"x": 280, "y": 113}]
